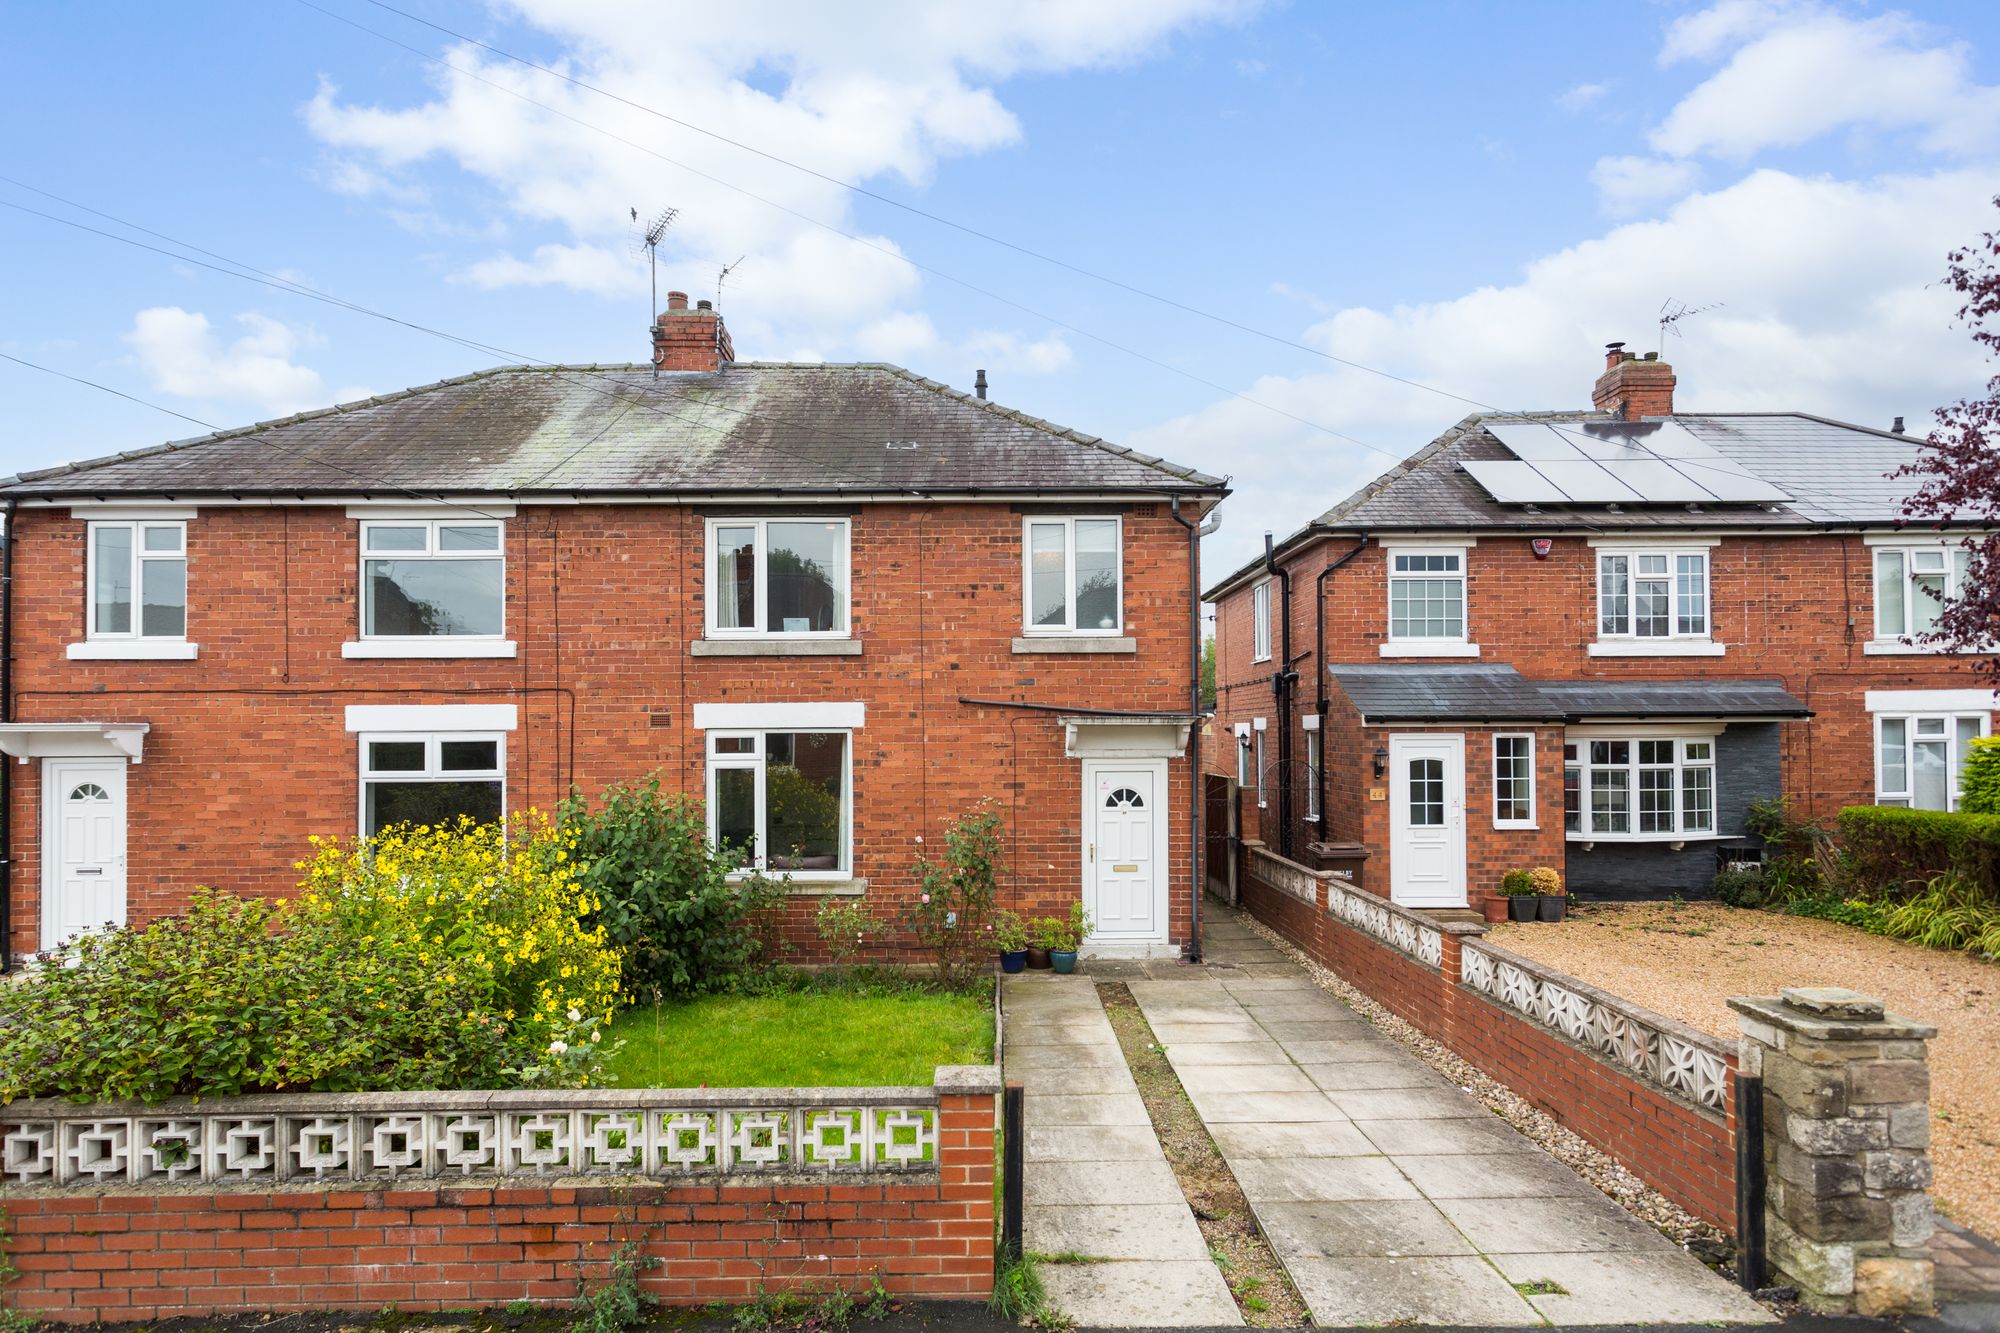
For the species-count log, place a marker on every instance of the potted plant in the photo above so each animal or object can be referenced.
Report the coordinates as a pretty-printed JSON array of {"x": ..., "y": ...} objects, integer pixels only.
[
  {"x": 1040, "y": 931},
  {"x": 1492, "y": 904},
  {"x": 1010, "y": 936},
  {"x": 1067, "y": 937},
  {"x": 1550, "y": 900},
  {"x": 1519, "y": 889}
]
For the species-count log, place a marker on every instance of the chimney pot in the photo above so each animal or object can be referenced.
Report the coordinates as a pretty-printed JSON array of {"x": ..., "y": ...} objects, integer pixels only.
[
  {"x": 1897, "y": 429},
  {"x": 979, "y": 385},
  {"x": 677, "y": 300},
  {"x": 704, "y": 305}
]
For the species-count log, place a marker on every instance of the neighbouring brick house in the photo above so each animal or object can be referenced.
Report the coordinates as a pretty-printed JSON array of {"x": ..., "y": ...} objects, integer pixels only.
[
  {"x": 1591, "y": 640},
  {"x": 841, "y": 603}
]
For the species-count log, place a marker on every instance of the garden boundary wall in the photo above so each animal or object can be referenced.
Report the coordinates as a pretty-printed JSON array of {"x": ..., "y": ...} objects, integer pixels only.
[
  {"x": 1653, "y": 1093},
  {"x": 435, "y": 1201}
]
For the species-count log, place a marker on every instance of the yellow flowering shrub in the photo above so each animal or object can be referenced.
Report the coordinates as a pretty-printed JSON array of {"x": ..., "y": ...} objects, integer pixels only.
[{"x": 504, "y": 914}]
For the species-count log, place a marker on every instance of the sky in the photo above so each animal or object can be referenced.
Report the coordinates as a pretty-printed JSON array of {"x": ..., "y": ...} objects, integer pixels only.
[{"x": 1284, "y": 243}]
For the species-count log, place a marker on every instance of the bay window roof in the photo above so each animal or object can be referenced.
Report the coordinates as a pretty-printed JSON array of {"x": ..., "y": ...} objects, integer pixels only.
[{"x": 1391, "y": 693}]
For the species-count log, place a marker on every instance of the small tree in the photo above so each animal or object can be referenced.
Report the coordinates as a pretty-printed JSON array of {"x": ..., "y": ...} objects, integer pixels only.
[
  {"x": 954, "y": 907},
  {"x": 1960, "y": 465}
]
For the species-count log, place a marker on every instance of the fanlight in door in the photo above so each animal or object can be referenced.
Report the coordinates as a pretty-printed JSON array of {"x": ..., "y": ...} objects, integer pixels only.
[
  {"x": 1124, "y": 799},
  {"x": 88, "y": 791}
]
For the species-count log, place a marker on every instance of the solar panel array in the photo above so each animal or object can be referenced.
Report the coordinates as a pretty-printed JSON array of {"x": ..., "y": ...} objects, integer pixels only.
[{"x": 1613, "y": 462}]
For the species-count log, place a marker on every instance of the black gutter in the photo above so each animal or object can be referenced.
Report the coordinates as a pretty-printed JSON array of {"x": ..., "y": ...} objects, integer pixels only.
[
  {"x": 1195, "y": 800},
  {"x": 1282, "y": 681},
  {"x": 1323, "y": 700},
  {"x": 7, "y": 509}
]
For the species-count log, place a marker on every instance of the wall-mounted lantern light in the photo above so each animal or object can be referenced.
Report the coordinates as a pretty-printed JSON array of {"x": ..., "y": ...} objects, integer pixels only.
[{"x": 1381, "y": 761}]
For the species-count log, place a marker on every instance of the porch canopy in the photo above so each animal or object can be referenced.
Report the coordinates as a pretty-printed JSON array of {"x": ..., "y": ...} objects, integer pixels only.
[
  {"x": 1426, "y": 693},
  {"x": 74, "y": 740}
]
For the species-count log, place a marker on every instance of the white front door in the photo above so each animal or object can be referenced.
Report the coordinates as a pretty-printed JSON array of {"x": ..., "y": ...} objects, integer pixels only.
[
  {"x": 83, "y": 863},
  {"x": 1125, "y": 871},
  {"x": 1427, "y": 821}
]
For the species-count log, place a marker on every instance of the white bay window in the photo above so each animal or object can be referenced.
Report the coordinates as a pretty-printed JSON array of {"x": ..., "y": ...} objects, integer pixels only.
[{"x": 1638, "y": 787}]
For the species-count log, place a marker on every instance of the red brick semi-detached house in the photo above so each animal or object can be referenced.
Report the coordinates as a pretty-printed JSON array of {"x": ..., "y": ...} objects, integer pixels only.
[
  {"x": 843, "y": 604},
  {"x": 1592, "y": 640}
]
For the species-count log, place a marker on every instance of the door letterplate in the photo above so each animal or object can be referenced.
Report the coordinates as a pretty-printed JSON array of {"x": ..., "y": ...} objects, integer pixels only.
[{"x": 1124, "y": 870}]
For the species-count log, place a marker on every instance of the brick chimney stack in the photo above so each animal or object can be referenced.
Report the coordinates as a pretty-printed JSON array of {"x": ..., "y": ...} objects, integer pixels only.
[
  {"x": 685, "y": 339},
  {"x": 1632, "y": 387}
]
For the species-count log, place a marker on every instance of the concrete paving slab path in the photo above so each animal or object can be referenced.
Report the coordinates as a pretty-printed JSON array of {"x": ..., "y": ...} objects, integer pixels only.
[
  {"x": 1390, "y": 1195},
  {"x": 1098, "y": 1186}
]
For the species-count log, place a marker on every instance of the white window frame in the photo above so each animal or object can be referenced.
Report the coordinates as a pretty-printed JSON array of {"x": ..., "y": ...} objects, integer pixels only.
[
  {"x": 1681, "y": 738},
  {"x": 758, "y": 762},
  {"x": 1312, "y": 769},
  {"x": 1530, "y": 821},
  {"x": 1955, "y": 559},
  {"x": 1427, "y": 645},
  {"x": 428, "y": 645},
  {"x": 1242, "y": 755},
  {"x": 1954, "y": 757},
  {"x": 1257, "y": 741},
  {"x": 760, "y": 559},
  {"x": 433, "y": 770},
  {"x": 1675, "y": 642},
  {"x": 1260, "y": 621},
  {"x": 136, "y": 636},
  {"x": 1068, "y": 523}
]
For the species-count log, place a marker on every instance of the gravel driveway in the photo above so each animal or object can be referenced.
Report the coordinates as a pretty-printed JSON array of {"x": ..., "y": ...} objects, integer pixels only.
[{"x": 1685, "y": 960}]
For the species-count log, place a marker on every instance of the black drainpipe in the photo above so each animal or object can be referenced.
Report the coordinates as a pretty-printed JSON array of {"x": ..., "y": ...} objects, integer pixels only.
[
  {"x": 7, "y": 715},
  {"x": 1282, "y": 681},
  {"x": 1194, "y": 727},
  {"x": 1322, "y": 701}
]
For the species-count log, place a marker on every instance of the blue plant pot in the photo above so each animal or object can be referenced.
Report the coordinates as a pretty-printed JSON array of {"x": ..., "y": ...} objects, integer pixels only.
[
  {"x": 1063, "y": 961},
  {"x": 1013, "y": 960}
]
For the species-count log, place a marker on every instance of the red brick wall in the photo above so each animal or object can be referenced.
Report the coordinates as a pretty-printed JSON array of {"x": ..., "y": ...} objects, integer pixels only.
[
  {"x": 1797, "y": 609},
  {"x": 248, "y": 751},
  {"x": 122, "y": 1255},
  {"x": 1686, "y": 1154}
]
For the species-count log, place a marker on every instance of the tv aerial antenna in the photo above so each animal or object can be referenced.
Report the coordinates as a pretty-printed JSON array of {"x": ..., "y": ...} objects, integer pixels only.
[
  {"x": 723, "y": 277},
  {"x": 649, "y": 239},
  {"x": 1672, "y": 312}
]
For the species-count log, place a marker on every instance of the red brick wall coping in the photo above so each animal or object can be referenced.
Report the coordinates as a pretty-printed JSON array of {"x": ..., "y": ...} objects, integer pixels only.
[{"x": 182, "y": 1210}]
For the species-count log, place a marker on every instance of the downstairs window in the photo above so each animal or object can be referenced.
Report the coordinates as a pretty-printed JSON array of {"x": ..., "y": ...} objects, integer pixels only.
[
  {"x": 781, "y": 800},
  {"x": 1639, "y": 788},
  {"x": 417, "y": 779}
]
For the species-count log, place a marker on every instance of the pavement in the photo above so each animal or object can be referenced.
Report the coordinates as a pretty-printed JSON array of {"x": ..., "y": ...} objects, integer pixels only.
[{"x": 1390, "y": 1196}]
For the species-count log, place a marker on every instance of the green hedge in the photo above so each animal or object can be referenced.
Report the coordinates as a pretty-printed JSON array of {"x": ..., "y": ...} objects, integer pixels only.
[
  {"x": 1892, "y": 850},
  {"x": 1979, "y": 780}
]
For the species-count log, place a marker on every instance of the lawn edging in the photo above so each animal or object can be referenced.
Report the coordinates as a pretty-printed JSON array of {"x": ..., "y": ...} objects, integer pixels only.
[{"x": 440, "y": 1200}]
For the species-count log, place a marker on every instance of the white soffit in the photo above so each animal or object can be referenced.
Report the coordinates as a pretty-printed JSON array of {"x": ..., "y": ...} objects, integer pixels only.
[
  {"x": 74, "y": 740},
  {"x": 1929, "y": 701},
  {"x": 432, "y": 717},
  {"x": 1090, "y": 737}
]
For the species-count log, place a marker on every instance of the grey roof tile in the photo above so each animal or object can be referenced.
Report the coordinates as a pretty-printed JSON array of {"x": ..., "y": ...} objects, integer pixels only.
[
  {"x": 1584, "y": 699},
  {"x": 755, "y": 427},
  {"x": 1494, "y": 692}
]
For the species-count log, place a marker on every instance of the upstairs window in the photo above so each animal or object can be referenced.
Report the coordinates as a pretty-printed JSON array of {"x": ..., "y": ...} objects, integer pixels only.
[
  {"x": 1072, "y": 576},
  {"x": 138, "y": 581},
  {"x": 435, "y": 780},
  {"x": 432, "y": 579},
  {"x": 1912, "y": 584},
  {"x": 1918, "y": 757},
  {"x": 778, "y": 577},
  {"x": 779, "y": 800},
  {"x": 1260, "y": 622},
  {"x": 1427, "y": 595},
  {"x": 1639, "y": 788},
  {"x": 1658, "y": 595}
]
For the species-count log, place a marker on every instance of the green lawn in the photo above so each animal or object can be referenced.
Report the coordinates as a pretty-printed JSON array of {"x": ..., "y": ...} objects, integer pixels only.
[{"x": 812, "y": 1038}]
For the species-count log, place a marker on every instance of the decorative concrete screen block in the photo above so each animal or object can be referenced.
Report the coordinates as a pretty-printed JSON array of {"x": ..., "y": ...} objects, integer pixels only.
[
  {"x": 1287, "y": 877},
  {"x": 1402, "y": 930},
  {"x": 1847, "y": 1213},
  {"x": 228, "y": 1142},
  {"x": 1669, "y": 1055}
]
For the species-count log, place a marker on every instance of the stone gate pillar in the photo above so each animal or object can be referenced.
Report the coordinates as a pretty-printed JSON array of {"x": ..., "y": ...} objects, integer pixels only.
[{"x": 1846, "y": 1147}]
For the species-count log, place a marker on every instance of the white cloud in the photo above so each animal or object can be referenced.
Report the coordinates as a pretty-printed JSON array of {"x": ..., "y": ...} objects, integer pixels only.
[
  {"x": 1797, "y": 72},
  {"x": 860, "y": 100},
  {"x": 1832, "y": 306},
  {"x": 1583, "y": 95},
  {"x": 183, "y": 355},
  {"x": 1630, "y": 184},
  {"x": 909, "y": 336}
]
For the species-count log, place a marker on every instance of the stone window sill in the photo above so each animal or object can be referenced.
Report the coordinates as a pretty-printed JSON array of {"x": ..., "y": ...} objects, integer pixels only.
[
  {"x": 774, "y": 648},
  {"x": 440, "y": 648},
  {"x": 1427, "y": 648},
  {"x": 1893, "y": 648},
  {"x": 1105, "y": 643},
  {"x": 1657, "y": 648},
  {"x": 820, "y": 888},
  {"x": 134, "y": 650}
]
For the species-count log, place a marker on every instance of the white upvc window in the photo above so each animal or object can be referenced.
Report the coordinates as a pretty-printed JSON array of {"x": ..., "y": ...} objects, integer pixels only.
[
  {"x": 424, "y": 580},
  {"x": 1426, "y": 596},
  {"x": 1312, "y": 773},
  {"x": 1919, "y": 757},
  {"x": 1514, "y": 780},
  {"x": 1639, "y": 788},
  {"x": 783, "y": 801},
  {"x": 1260, "y": 622},
  {"x": 1072, "y": 575},
  {"x": 778, "y": 577},
  {"x": 1257, "y": 758},
  {"x": 434, "y": 779},
  {"x": 1242, "y": 756},
  {"x": 137, "y": 579},
  {"x": 1653, "y": 595},
  {"x": 1912, "y": 584}
]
